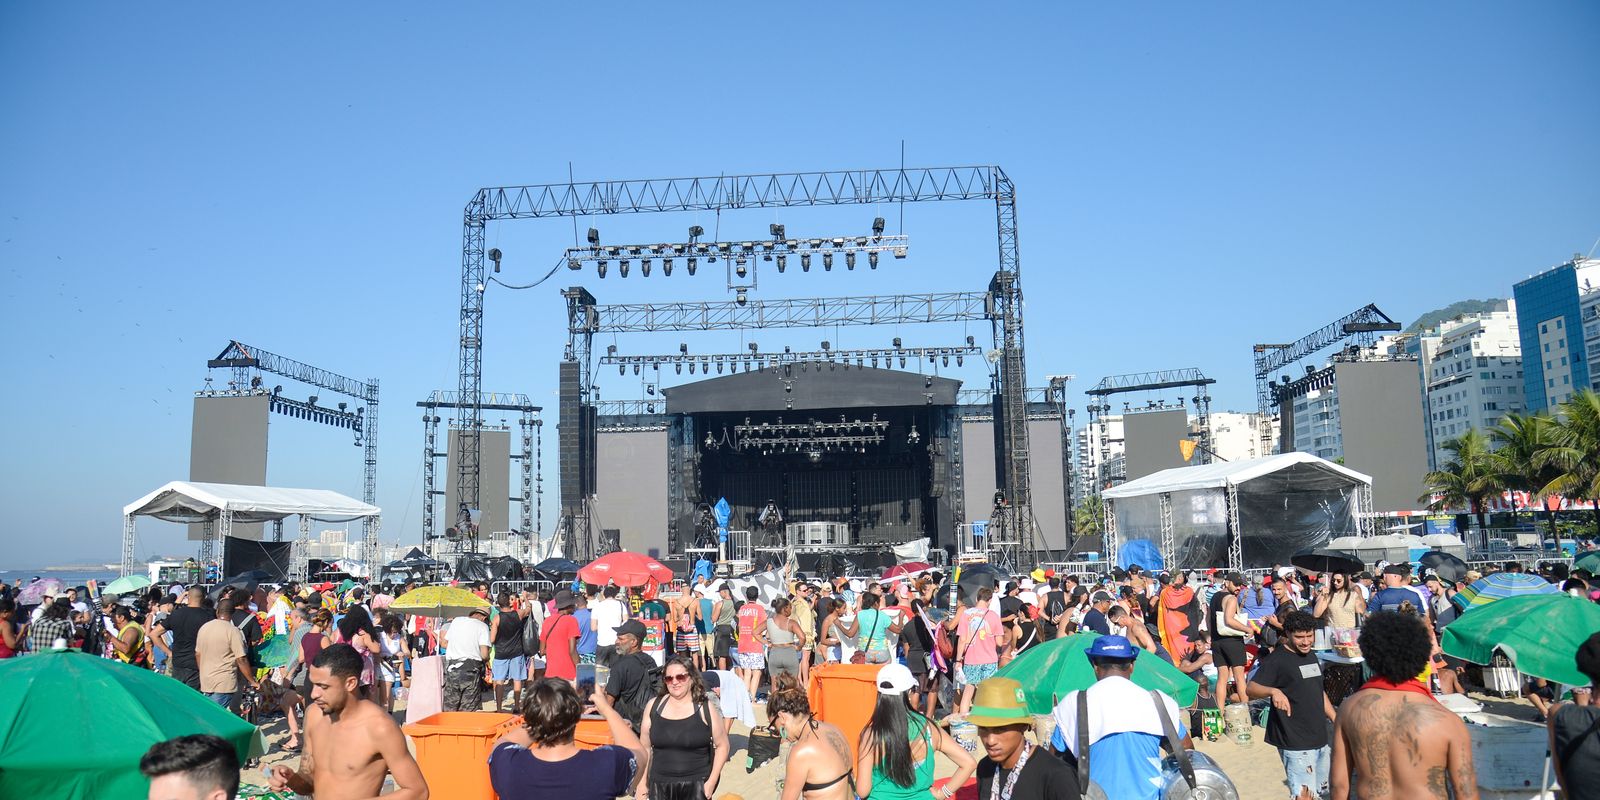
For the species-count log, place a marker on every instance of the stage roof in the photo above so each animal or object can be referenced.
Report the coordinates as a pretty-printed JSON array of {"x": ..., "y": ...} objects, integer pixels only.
[
  {"x": 811, "y": 386},
  {"x": 185, "y": 501},
  {"x": 1229, "y": 473}
]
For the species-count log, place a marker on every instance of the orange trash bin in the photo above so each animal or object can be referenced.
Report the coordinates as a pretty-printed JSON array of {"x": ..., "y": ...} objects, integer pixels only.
[
  {"x": 452, "y": 748},
  {"x": 593, "y": 732},
  {"x": 845, "y": 695}
]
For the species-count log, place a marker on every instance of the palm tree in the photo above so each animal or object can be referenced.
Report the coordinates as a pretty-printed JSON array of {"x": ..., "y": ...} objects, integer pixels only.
[
  {"x": 1575, "y": 451},
  {"x": 1089, "y": 517},
  {"x": 1467, "y": 479},
  {"x": 1519, "y": 460}
]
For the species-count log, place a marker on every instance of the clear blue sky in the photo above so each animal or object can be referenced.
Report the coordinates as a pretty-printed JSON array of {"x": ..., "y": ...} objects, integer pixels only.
[{"x": 1192, "y": 179}]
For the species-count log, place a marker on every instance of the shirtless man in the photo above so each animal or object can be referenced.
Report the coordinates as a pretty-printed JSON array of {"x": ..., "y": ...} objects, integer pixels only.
[
  {"x": 350, "y": 743},
  {"x": 1392, "y": 739}
]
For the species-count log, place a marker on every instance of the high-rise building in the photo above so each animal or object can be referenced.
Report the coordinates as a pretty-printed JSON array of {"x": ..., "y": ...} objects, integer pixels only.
[
  {"x": 1236, "y": 436},
  {"x": 1589, "y": 311},
  {"x": 1555, "y": 361},
  {"x": 1473, "y": 376},
  {"x": 1097, "y": 456}
]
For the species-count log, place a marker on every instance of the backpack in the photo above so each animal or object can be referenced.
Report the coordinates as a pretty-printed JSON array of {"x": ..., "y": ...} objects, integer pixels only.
[
  {"x": 634, "y": 712},
  {"x": 1055, "y": 604},
  {"x": 533, "y": 637}
]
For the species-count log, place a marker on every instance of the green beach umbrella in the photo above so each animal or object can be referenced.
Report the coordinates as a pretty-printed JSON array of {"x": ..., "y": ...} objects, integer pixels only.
[
  {"x": 1540, "y": 633},
  {"x": 127, "y": 584},
  {"x": 1588, "y": 561},
  {"x": 1048, "y": 671},
  {"x": 74, "y": 725}
]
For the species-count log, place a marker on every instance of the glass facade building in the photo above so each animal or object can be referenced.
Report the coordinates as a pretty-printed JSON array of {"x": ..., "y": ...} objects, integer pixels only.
[{"x": 1551, "y": 330}]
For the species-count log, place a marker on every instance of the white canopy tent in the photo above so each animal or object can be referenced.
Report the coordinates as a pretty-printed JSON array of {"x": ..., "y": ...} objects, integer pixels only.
[
  {"x": 1190, "y": 515},
  {"x": 219, "y": 505}
]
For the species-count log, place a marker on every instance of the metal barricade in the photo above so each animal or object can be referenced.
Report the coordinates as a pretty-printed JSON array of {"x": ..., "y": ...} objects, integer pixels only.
[{"x": 516, "y": 587}]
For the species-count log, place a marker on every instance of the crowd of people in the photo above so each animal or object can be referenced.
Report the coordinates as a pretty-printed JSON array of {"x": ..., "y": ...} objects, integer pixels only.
[{"x": 670, "y": 672}]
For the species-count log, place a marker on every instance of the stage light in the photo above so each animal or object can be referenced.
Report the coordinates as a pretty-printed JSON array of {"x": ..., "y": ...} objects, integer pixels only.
[
  {"x": 622, "y": 369},
  {"x": 900, "y": 252},
  {"x": 958, "y": 359},
  {"x": 740, "y": 270},
  {"x": 776, "y": 230},
  {"x": 594, "y": 236},
  {"x": 815, "y": 243},
  {"x": 342, "y": 406},
  {"x": 902, "y": 362},
  {"x": 611, "y": 349},
  {"x": 741, "y": 298},
  {"x": 897, "y": 343},
  {"x": 946, "y": 361},
  {"x": 692, "y": 265},
  {"x": 574, "y": 264},
  {"x": 494, "y": 255},
  {"x": 827, "y": 261},
  {"x": 644, "y": 268},
  {"x": 650, "y": 408},
  {"x": 874, "y": 362},
  {"x": 877, "y": 226},
  {"x": 691, "y": 367},
  {"x": 683, "y": 347},
  {"x": 624, "y": 265},
  {"x": 838, "y": 241},
  {"x": 971, "y": 342},
  {"x": 719, "y": 367},
  {"x": 666, "y": 267},
  {"x": 805, "y": 262},
  {"x": 695, "y": 232},
  {"x": 872, "y": 259},
  {"x": 601, "y": 265},
  {"x": 636, "y": 368},
  {"x": 782, "y": 262},
  {"x": 850, "y": 260},
  {"x": 752, "y": 347},
  {"x": 825, "y": 345},
  {"x": 277, "y": 389},
  {"x": 679, "y": 367},
  {"x": 650, "y": 390},
  {"x": 312, "y": 400}
]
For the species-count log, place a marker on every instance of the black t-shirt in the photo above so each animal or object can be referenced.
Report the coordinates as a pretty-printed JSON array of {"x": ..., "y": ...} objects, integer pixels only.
[
  {"x": 185, "y": 622},
  {"x": 1096, "y": 621},
  {"x": 1578, "y": 740},
  {"x": 249, "y": 626},
  {"x": 1300, "y": 678},
  {"x": 1044, "y": 777},
  {"x": 630, "y": 684},
  {"x": 1009, "y": 606}
]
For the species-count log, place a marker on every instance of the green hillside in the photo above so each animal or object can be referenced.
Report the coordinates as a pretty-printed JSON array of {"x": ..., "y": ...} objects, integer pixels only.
[{"x": 1454, "y": 310}]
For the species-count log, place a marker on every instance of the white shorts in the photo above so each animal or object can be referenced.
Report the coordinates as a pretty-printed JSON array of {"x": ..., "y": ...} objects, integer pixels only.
[{"x": 750, "y": 660}]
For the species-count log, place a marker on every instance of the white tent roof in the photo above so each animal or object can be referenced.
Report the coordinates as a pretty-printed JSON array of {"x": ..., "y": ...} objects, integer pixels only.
[
  {"x": 1223, "y": 474},
  {"x": 184, "y": 501}
]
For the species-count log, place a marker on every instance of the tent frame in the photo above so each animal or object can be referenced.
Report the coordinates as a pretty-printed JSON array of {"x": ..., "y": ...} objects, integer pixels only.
[
  {"x": 1362, "y": 495},
  {"x": 217, "y": 518}
]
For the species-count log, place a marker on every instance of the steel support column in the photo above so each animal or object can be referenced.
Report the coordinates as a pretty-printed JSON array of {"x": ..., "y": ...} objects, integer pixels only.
[
  {"x": 1166, "y": 531},
  {"x": 277, "y": 530},
  {"x": 299, "y": 556},
  {"x": 369, "y": 480},
  {"x": 1109, "y": 507},
  {"x": 1235, "y": 536},
  {"x": 208, "y": 542},
  {"x": 128, "y": 533}
]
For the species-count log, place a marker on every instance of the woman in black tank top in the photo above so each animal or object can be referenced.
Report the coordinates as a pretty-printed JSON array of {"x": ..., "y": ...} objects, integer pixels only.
[{"x": 685, "y": 737}]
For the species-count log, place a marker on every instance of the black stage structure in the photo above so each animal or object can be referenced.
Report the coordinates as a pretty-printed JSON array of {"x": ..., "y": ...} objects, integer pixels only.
[{"x": 1000, "y": 305}]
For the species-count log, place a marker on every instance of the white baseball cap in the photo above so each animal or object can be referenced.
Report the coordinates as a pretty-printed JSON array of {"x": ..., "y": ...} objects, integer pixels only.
[{"x": 895, "y": 680}]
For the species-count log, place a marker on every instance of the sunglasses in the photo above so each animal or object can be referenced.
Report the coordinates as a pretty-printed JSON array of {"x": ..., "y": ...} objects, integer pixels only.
[{"x": 679, "y": 678}]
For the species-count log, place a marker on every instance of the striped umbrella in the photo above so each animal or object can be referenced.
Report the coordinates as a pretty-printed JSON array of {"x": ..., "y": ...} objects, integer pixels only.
[{"x": 1500, "y": 586}]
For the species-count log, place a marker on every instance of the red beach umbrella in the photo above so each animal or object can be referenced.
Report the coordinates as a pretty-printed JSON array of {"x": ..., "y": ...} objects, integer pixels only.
[{"x": 624, "y": 569}]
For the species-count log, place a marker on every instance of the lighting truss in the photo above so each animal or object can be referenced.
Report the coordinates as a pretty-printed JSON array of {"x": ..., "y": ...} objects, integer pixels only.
[
  {"x": 753, "y": 360},
  {"x": 586, "y": 317},
  {"x": 813, "y": 435},
  {"x": 625, "y": 256},
  {"x": 337, "y": 417}
]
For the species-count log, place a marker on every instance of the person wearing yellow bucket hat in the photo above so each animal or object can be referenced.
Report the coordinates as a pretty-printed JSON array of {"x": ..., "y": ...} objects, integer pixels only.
[{"x": 1016, "y": 768}]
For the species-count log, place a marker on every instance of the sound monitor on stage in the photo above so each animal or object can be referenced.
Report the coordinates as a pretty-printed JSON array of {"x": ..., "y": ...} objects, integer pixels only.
[{"x": 819, "y": 534}]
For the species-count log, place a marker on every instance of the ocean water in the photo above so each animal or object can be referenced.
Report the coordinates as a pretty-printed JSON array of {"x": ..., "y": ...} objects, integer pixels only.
[{"x": 67, "y": 578}]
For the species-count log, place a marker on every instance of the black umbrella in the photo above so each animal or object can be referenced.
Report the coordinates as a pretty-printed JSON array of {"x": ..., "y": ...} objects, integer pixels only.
[
  {"x": 1449, "y": 568},
  {"x": 1324, "y": 559},
  {"x": 247, "y": 581},
  {"x": 977, "y": 577}
]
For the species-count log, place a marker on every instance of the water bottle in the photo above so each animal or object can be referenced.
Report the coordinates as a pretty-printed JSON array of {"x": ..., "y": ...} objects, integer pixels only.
[{"x": 1236, "y": 716}]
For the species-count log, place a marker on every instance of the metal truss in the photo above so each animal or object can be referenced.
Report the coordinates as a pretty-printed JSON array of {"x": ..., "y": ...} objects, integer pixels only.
[
  {"x": 983, "y": 397},
  {"x": 575, "y": 258},
  {"x": 855, "y": 187},
  {"x": 1149, "y": 381},
  {"x": 1363, "y": 325},
  {"x": 811, "y": 312},
  {"x": 530, "y": 459},
  {"x": 1235, "y": 534},
  {"x": 1165, "y": 501},
  {"x": 1099, "y": 408},
  {"x": 241, "y": 358},
  {"x": 759, "y": 360}
]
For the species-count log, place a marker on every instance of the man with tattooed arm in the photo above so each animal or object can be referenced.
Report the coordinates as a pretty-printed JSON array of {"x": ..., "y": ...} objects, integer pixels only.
[{"x": 1393, "y": 741}]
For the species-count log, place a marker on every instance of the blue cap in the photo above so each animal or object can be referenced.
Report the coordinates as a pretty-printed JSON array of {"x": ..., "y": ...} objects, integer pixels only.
[{"x": 1111, "y": 647}]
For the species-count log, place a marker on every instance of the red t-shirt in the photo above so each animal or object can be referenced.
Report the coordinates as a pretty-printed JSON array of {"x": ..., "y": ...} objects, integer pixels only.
[
  {"x": 558, "y": 633},
  {"x": 752, "y": 617}
]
